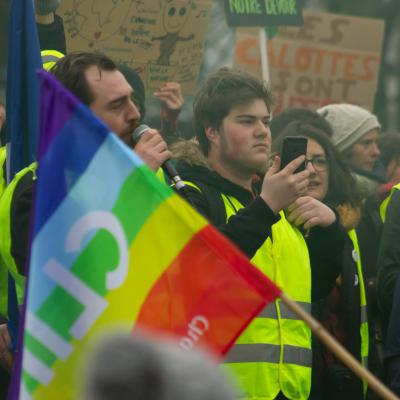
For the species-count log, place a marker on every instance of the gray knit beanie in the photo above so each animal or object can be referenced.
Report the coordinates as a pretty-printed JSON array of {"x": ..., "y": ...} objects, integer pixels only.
[
  {"x": 43, "y": 7},
  {"x": 349, "y": 123},
  {"x": 134, "y": 367}
]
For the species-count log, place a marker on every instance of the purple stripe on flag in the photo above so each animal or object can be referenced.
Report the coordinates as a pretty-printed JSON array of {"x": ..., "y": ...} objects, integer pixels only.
[
  {"x": 65, "y": 125},
  {"x": 57, "y": 105}
]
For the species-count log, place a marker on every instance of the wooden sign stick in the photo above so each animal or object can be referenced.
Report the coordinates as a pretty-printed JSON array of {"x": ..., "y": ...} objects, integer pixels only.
[
  {"x": 340, "y": 351},
  {"x": 262, "y": 40}
]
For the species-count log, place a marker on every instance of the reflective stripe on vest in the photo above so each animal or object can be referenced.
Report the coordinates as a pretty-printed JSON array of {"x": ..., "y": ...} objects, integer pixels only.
[
  {"x": 5, "y": 231},
  {"x": 49, "y": 59},
  {"x": 270, "y": 311},
  {"x": 270, "y": 353},
  {"x": 364, "y": 334},
  {"x": 385, "y": 202},
  {"x": 274, "y": 353},
  {"x": 364, "y": 315}
]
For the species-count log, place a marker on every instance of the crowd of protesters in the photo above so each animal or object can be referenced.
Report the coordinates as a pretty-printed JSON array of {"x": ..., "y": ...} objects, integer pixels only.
[{"x": 327, "y": 234}]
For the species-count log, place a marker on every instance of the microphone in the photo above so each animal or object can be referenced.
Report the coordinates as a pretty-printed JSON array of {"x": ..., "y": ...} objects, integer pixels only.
[{"x": 167, "y": 166}]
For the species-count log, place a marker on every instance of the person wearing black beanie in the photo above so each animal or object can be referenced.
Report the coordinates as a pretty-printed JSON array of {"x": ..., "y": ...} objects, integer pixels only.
[
  {"x": 136, "y": 82},
  {"x": 50, "y": 26}
]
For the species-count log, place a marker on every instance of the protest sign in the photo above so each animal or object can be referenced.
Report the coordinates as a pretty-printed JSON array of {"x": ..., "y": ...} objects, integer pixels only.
[
  {"x": 162, "y": 41},
  {"x": 263, "y": 13},
  {"x": 332, "y": 58}
]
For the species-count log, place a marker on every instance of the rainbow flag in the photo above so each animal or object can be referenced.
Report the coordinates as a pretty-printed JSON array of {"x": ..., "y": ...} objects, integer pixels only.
[{"x": 115, "y": 248}]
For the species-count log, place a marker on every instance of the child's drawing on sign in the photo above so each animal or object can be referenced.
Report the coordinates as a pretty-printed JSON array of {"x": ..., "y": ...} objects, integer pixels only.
[
  {"x": 164, "y": 38},
  {"x": 95, "y": 21},
  {"x": 175, "y": 14},
  {"x": 103, "y": 11}
]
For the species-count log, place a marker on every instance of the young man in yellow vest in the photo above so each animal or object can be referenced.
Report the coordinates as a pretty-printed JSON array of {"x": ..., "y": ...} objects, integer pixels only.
[{"x": 232, "y": 112}]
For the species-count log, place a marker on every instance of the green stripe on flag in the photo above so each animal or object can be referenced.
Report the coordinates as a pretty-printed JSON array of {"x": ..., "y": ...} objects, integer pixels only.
[
  {"x": 59, "y": 311},
  {"x": 140, "y": 196}
]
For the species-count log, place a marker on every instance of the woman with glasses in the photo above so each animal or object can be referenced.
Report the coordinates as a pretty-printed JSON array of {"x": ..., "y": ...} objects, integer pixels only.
[{"x": 343, "y": 312}]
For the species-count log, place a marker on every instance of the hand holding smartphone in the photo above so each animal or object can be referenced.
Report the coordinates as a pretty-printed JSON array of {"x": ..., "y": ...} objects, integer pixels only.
[{"x": 293, "y": 147}]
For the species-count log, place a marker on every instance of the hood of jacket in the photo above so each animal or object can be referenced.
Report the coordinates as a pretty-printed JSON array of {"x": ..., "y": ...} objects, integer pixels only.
[
  {"x": 193, "y": 166},
  {"x": 349, "y": 215}
]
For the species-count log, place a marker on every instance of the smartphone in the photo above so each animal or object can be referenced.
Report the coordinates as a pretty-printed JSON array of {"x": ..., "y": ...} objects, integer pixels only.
[{"x": 293, "y": 147}]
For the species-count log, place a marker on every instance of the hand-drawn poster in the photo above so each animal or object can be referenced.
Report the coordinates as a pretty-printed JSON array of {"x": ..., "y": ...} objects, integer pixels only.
[
  {"x": 161, "y": 39},
  {"x": 331, "y": 59}
]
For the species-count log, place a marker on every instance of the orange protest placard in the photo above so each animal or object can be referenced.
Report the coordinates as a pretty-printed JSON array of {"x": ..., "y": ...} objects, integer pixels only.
[{"x": 332, "y": 58}]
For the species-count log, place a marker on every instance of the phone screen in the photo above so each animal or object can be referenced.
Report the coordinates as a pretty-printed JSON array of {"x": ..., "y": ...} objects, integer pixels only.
[{"x": 293, "y": 147}]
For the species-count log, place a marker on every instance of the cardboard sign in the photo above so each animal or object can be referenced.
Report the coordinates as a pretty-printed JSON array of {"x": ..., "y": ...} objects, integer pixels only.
[
  {"x": 161, "y": 39},
  {"x": 263, "y": 13},
  {"x": 331, "y": 59}
]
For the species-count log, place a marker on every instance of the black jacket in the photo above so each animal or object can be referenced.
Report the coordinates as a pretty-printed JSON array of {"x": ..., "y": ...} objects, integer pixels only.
[
  {"x": 341, "y": 316},
  {"x": 392, "y": 342},
  {"x": 52, "y": 36},
  {"x": 251, "y": 226},
  {"x": 389, "y": 290},
  {"x": 389, "y": 258}
]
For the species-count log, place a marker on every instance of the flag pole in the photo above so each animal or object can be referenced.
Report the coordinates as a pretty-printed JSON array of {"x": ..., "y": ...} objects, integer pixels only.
[
  {"x": 262, "y": 41},
  {"x": 339, "y": 350}
]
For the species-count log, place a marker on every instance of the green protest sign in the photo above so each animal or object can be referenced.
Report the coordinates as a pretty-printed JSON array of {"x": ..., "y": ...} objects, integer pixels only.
[{"x": 263, "y": 12}]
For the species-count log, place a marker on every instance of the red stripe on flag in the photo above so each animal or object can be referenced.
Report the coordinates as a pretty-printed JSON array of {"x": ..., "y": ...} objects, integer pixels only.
[{"x": 208, "y": 295}]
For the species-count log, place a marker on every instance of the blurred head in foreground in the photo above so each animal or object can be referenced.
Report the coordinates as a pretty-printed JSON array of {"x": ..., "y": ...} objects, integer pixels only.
[{"x": 132, "y": 367}]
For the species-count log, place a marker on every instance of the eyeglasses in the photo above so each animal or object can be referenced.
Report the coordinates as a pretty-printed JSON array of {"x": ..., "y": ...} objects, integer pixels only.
[{"x": 319, "y": 163}]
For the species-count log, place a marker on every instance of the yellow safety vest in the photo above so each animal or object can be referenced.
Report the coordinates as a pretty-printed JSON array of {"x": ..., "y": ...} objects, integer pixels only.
[
  {"x": 3, "y": 180},
  {"x": 274, "y": 353},
  {"x": 6, "y": 258},
  {"x": 50, "y": 57},
  {"x": 162, "y": 177},
  {"x": 364, "y": 333},
  {"x": 385, "y": 202},
  {"x": 3, "y": 269}
]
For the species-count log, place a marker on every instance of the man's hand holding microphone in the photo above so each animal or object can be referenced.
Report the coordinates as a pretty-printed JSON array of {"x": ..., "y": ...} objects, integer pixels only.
[{"x": 150, "y": 147}]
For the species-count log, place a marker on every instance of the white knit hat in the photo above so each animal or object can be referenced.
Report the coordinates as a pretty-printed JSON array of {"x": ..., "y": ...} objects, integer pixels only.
[{"x": 349, "y": 123}]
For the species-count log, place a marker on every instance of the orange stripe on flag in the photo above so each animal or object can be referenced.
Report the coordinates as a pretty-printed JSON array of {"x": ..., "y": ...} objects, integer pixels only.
[{"x": 208, "y": 294}]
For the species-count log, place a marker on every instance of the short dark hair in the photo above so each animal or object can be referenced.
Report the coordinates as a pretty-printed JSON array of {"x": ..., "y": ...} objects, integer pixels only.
[
  {"x": 219, "y": 94},
  {"x": 70, "y": 71},
  {"x": 342, "y": 187},
  {"x": 303, "y": 115}
]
